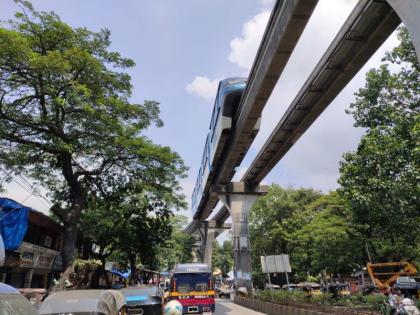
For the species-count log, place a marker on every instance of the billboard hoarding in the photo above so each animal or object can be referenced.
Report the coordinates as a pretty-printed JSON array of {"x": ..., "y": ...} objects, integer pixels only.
[{"x": 275, "y": 263}]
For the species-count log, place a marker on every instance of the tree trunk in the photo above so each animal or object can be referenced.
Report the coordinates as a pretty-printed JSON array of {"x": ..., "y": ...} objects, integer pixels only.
[
  {"x": 71, "y": 217},
  {"x": 132, "y": 259},
  {"x": 70, "y": 244}
]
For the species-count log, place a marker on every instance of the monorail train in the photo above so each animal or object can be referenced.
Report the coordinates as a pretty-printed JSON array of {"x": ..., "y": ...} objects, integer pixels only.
[{"x": 226, "y": 104}]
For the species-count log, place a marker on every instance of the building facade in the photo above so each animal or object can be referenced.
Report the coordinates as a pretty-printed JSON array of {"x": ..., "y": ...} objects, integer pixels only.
[{"x": 37, "y": 260}]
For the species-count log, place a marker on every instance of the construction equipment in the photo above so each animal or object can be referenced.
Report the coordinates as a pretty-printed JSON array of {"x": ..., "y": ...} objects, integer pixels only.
[{"x": 385, "y": 275}]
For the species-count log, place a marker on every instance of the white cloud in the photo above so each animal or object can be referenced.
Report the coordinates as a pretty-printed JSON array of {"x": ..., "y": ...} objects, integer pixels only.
[
  {"x": 244, "y": 48},
  {"x": 203, "y": 87},
  {"x": 266, "y": 3}
]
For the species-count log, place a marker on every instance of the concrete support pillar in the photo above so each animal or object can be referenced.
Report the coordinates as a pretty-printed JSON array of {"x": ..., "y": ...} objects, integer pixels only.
[
  {"x": 209, "y": 230},
  {"x": 238, "y": 199},
  {"x": 203, "y": 238},
  {"x": 207, "y": 245}
]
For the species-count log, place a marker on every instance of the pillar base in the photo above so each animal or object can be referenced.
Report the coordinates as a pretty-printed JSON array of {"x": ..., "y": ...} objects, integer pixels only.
[{"x": 238, "y": 199}]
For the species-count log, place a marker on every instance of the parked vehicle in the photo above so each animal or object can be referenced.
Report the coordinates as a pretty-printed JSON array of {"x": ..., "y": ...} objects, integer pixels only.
[
  {"x": 272, "y": 287},
  {"x": 338, "y": 289},
  {"x": 12, "y": 302},
  {"x": 311, "y": 288},
  {"x": 224, "y": 291},
  {"x": 146, "y": 300},
  {"x": 75, "y": 302},
  {"x": 408, "y": 286},
  {"x": 291, "y": 287}
]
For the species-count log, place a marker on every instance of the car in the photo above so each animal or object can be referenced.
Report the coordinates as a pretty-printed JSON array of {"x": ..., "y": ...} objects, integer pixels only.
[
  {"x": 12, "y": 302},
  {"x": 408, "y": 286},
  {"x": 291, "y": 287},
  {"x": 272, "y": 287},
  {"x": 225, "y": 291},
  {"x": 146, "y": 300}
]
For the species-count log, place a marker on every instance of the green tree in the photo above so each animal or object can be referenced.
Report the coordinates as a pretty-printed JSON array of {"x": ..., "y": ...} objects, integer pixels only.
[
  {"x": 179, "y": 248},
  {"x": 329, "y": 241},
  {"x": 66, "y": 120},
  {"x": 380, "y": 180},
  {"x": 222, "y": 256},
  {"x": 136, "y": 226},
  {"x": 316, "y": 230},
  {"x": 273, "y": 219}
]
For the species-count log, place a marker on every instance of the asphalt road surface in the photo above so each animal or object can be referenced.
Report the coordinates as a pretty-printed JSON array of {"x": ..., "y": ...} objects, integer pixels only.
[{"x": 227, "y": 307}]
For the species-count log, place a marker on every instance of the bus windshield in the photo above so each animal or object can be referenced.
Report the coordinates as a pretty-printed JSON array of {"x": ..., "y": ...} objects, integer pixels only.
[
  {"x": 192, "y": 286},
  {"x": 193, "y": 282}
]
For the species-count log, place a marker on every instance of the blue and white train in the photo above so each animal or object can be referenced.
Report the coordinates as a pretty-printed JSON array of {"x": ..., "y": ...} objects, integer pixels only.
[{"x": 226, "y": 104}]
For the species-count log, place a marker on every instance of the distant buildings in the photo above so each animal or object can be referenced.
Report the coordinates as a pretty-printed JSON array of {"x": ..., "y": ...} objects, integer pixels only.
[{"x": 33, "y": 258}]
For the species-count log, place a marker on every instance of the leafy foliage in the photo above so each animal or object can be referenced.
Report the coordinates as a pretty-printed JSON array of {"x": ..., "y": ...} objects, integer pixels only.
[
  {"x": 273, "y": 219},
  {"x": 135, "y": 226},
  {"x": 328, "y": 241},
  {"x": 179, "y": 247},
  {"x": 380, "y": 179},
  {"x": 66, "y": 120},
  {"x": 362, "y": 303},
  {"x": 314, "y": 229},
  {"x": 222, "y": 256}
]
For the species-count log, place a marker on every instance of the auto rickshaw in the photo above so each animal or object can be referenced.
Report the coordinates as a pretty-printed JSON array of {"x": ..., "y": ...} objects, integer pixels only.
[
  {"x": 310, "y": 288},
  {"x": 100, "y": 302},
  {"x": 338, "y": 289}
]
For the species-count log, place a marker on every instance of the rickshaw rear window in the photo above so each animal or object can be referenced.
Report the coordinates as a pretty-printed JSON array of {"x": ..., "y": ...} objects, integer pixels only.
[{"x": 15, "y": 304}]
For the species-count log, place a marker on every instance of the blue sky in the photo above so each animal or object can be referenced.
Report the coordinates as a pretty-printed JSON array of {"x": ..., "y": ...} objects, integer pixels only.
[{"x": 182, "y": 48}]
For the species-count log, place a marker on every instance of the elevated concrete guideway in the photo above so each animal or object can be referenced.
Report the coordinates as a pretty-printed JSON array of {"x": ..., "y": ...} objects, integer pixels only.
[
  {"x": 285, "y": 26},
  {"x": 366, "y": 29},
  {"x": 368, "y": 26}
]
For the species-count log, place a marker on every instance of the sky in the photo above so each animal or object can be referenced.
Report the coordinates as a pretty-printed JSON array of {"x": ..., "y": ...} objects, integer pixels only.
[{"x": 183, "y": 48}]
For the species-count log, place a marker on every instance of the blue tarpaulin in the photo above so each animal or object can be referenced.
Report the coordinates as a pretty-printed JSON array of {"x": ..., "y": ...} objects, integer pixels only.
[
  {"x": 124, "y": 275},
  {"x": 13, "y": 223}
]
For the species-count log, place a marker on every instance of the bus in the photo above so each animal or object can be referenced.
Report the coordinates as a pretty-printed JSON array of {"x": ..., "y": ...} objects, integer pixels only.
[{"x": 192, "y": 285}]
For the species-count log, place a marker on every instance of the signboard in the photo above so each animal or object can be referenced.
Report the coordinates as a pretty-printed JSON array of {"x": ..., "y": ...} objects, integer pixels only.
[
  {"x": 27, "y": 259},
  {"x": 37, "y": 257},
  {"x": 275, "y": 263},
  {"x": 45, "y": 261},
  {"x": 111, "y": 265}
]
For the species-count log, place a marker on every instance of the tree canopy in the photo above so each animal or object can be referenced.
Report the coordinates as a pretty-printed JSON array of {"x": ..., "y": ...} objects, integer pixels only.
[
  {"x": 222, "y": 256},
  {"x": 316, "y": 230},
  {"x": 380, "y": 180},
  {"x": 180, "y": 247},
  {"x": 67, "y": 122},
  {"x": 377, "y": 205}
]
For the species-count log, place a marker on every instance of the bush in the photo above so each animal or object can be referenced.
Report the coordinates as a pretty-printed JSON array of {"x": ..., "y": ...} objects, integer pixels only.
[{"x": 367, "y": 302}]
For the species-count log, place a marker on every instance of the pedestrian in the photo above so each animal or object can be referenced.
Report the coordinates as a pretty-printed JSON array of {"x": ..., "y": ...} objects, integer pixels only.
[
  {"x": 391, "y": 300},
  {"x": 408, "y": 307}
]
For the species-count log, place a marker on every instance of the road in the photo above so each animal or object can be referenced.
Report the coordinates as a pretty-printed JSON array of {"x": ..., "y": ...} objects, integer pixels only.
[{"x": 227, "y": 307}]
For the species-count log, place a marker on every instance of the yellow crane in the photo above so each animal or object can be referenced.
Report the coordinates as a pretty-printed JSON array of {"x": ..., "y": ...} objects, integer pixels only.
[{"x": 384, "y": 275}]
